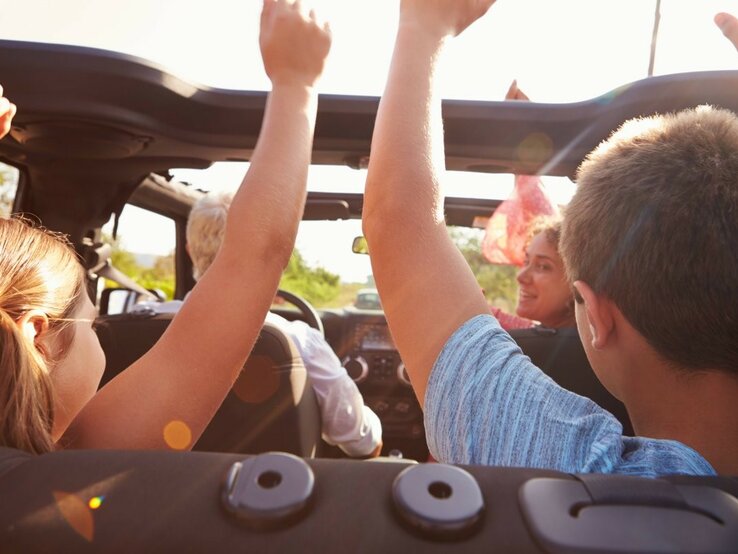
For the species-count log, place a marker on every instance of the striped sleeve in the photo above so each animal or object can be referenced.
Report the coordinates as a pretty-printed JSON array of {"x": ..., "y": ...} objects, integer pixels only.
[{"x": 486, "y": 403}]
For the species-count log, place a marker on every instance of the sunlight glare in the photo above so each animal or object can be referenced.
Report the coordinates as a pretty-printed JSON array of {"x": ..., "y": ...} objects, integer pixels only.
[
  {"x": 75, "y": 512},
  {"x": 536, "y": 148},
  {"x": 177, "y": 435}
]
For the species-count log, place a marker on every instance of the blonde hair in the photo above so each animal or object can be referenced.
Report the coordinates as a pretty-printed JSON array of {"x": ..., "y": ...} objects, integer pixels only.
[
  {"x": 205, "y": 229},
  {"x": 38, "y": 271}
]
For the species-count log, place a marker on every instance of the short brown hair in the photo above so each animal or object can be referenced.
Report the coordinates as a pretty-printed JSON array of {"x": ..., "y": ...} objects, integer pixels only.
[{"x": 654, "y": 227}]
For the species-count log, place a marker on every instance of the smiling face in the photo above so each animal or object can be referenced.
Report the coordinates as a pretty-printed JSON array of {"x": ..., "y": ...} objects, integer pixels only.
[{"x": 543, "y": 291}]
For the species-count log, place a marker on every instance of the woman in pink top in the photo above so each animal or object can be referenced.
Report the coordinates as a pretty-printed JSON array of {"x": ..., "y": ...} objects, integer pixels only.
[{"x": 544, "y": 294}]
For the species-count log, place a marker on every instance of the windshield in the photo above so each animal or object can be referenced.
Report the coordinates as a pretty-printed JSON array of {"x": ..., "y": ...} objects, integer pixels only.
[
  {"x": 215, "y": 43},
  {"x": 325, "y": 270},
  {"x": 217, "y": 47}
]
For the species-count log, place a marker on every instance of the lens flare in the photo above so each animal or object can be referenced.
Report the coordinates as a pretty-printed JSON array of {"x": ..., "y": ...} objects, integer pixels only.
[
  {"x": 75, "y": 512},
  {"x": 177, "y": 435},
  {"x": 609, "y": 97},
  {"x": 535, "y": 149},
  {"x": 95, "y": 502}
]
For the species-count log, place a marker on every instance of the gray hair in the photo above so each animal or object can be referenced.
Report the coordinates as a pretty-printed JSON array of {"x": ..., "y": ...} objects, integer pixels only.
[{"x": 205, "y": 229}]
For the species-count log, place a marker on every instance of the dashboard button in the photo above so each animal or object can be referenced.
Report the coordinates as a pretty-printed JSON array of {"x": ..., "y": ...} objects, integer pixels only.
[
  {"x": 380, "y": 406},
  {"x": 356, "y": 367},
  {"x": 402, "y": 407},
  {"x": 402, "y": 375}
]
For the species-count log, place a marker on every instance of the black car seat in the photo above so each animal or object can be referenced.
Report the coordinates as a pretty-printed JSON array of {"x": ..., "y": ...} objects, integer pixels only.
[
  {"x": 158, "y": 501},
  {"x": 271, "y": 406},
  {"x": 560, "y": 354}
]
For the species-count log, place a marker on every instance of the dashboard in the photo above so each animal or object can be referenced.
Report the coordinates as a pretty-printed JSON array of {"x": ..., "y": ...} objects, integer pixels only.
[{"x": 363, "y": 343}]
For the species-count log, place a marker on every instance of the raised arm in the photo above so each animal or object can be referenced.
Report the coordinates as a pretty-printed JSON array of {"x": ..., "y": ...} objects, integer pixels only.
[
  {"x": 728, "y": 24},
  {"x": 426, "y": 286},
  {"x": 187, "y": 374}
]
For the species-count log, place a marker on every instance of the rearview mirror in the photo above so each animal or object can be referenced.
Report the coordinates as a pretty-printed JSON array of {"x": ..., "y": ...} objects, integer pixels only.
[{"x": 360, "y": 246}]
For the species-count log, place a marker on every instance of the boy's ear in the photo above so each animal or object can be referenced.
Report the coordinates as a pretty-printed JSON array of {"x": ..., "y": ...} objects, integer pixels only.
[
  {"x": 598, "y": 311},
  {"x": 34, "y": 324}
]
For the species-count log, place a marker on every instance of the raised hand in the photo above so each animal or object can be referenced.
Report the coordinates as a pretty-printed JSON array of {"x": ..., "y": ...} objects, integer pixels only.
[
  {"x": 7, "y": 111},
  {"x": 514, "y": 93},
  {"x": 294, "y": 44},
  {"x": 728, "y": 24},
  {"x": 445, "y": 17}
]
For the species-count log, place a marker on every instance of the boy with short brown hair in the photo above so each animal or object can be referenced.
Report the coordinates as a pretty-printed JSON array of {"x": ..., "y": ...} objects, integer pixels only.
[{"x": 657, "y": 314}]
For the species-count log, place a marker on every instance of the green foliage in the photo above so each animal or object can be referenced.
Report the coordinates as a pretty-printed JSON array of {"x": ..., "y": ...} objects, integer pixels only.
[
  {"x": 160, "y": 276},
  {"x": 317, "y": 285},
  {"x": 324, "y": 289},
  {"x": 124, "y": 261},
  {"x": 346, "y": 296},
  {"x": 498, "y": 281},
  {"x": 8, "y": 186}
]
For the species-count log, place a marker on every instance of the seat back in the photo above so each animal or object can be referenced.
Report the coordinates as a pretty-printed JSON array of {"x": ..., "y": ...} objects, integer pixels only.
[
  {"x": 560, "y": 354},
  {"x": 270, "y": 407}
]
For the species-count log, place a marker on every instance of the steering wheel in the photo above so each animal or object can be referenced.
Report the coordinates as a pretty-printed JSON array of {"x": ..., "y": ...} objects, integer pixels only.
[{"x": 306, "y": 309}]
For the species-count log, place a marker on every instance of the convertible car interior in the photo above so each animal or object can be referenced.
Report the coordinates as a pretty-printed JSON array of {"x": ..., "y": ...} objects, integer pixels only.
[{"x": 98, "y": 130}]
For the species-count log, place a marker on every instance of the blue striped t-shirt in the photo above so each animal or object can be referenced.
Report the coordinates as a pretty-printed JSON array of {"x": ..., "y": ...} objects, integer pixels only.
[{"x": 486, "y": 403}]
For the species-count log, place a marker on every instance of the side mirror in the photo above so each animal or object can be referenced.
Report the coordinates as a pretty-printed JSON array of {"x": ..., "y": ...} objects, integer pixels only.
[
  {"x": 121, "y": 300},
  {"x": 360, "y": 246}
]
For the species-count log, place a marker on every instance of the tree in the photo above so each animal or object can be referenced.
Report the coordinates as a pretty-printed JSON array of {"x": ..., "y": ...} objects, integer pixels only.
[
  {"x": 8, "y": 186},
  {"x": 160, "y": 276},
  {"x": 317, "y": 285},
  {"x": 123, "y": 260},
  {"x": 497, "y": 281}
]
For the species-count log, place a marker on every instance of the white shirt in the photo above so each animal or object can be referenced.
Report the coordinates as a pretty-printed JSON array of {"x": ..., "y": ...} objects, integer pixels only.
[{"x": 346, "y": 421}]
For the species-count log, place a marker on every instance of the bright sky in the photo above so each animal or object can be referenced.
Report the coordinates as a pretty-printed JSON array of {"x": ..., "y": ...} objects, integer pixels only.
[{"x": 561, "y": 51}]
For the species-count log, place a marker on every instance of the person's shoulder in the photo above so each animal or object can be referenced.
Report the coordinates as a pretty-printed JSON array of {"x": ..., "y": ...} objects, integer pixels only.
[
  {"x": 654, "y": 457},
  {"x": 478, "y": 333},
  {"x": 472, "y": 349},
  {"x": 297, "y": 330},
  {"x": 308, "y": 341},
  {"x": 475, "y": 327},
  {"x": 277, "y": 320}
]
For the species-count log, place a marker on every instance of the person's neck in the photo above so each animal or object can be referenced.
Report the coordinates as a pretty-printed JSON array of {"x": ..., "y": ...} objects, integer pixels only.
[{"x": 696, "y": 409}]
